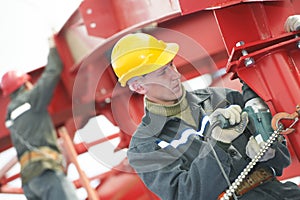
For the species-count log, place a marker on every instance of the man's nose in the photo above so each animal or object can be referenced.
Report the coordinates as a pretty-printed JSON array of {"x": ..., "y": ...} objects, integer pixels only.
[{"x": 175, "y": 73}]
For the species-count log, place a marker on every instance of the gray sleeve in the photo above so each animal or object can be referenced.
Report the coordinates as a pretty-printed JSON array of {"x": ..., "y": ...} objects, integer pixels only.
[
  {"x": 165, "y": 172},
  {"x": 43, "y": 90}
]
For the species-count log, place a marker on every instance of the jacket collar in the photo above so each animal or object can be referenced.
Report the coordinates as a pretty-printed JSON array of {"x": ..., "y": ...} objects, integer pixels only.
[{"x": 156, "y": 123}]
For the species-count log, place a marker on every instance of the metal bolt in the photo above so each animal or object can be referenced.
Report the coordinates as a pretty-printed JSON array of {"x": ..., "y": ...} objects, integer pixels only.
[
  {"x": 240, "y": 43},
  {"x": 93, "y": 25},
  {"x": 89, "y": 11},
  {"x": 103, "y": 91},
  {"x": 248, "y": 61},
  {"x": 107, "y": 100},
  {"x": 298, "y": 42}
]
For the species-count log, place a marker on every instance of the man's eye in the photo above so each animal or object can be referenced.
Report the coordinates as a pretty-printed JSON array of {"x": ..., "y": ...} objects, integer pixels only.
[{"x": 163, "y": 72}]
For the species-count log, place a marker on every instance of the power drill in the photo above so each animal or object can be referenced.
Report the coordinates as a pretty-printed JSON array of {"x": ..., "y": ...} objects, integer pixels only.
[{"x": 258, "y": 114}]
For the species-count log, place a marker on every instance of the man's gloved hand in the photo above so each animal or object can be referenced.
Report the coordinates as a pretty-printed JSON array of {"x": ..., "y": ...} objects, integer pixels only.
[
  {"x": 292, "y": 23},
  {"x": 253, "y": 148},
  {"x": 237, "y": 121}
]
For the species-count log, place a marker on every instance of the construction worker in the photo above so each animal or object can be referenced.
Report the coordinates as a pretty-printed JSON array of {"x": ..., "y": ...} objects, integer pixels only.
[
  {"x": 33, "y": 134},
  {"x": 177, "y": 150}
]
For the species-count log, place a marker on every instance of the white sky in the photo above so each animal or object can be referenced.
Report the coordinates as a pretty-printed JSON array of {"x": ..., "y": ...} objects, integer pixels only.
[{"x": 25, "y": 26}]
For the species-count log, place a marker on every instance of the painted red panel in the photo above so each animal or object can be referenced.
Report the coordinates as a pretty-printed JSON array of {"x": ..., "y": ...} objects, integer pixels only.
[{"x": 104, "y": 18}]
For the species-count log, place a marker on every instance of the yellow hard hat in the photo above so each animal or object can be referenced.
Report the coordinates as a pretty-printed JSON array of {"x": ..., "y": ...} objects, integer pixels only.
[{"x": 138, "y": 54}]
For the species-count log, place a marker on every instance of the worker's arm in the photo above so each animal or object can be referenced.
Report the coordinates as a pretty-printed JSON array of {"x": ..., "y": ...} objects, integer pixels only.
[
  {"x": 281, "y": 159},
  {"x": 167, "y": 172},
  {"x": 282, "y": 156},
  {"x": 44, "y": 88}
]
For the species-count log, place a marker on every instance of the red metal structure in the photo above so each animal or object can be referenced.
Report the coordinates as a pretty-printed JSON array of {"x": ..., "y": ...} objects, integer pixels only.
[{"x": 208, "y": 33}]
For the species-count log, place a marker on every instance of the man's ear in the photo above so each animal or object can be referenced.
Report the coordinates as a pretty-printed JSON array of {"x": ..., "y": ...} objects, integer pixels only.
[{"x": 138, "y": 87}]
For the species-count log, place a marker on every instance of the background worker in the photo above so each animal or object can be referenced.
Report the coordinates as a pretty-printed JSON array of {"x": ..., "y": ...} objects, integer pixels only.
[
  {"x": 33, "y": 133},
  {"x": 176, "y": 150}
]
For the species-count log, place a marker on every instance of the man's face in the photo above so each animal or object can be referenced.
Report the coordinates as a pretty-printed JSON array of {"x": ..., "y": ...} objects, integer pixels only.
[{"x": 163, "y": 85}]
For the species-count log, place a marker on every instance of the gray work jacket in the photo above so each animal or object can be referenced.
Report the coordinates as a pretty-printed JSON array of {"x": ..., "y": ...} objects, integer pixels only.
[
  {"x": 191, "y": 170},
  {"x": 31, "y": 125}
]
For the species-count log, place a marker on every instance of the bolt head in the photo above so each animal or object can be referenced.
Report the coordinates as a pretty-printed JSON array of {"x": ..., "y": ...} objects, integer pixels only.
[
  {"x": 240, "y": 43},
  {"x": 249, "y": 62}
]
